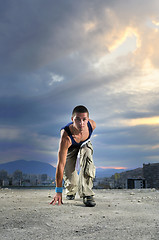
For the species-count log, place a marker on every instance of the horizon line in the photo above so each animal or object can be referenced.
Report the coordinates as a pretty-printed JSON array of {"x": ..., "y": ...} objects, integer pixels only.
[{"x": 113, "y": 167}]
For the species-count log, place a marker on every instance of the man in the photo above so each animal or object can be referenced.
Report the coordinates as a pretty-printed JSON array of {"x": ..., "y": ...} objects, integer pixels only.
[{"x": 75, "y": 138}]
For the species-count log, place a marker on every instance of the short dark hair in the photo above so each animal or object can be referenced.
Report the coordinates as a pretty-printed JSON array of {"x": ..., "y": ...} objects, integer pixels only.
[{"x": 80, "y": 109}]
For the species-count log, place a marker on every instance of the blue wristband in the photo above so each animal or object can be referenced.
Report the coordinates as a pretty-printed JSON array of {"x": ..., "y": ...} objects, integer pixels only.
[{"x": 58, "y": 189}]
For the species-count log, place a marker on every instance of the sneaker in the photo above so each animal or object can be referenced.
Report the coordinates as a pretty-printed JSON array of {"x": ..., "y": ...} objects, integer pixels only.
[
  {"x": 89, "y": 201},
  {"x": 70, "y": 197}
]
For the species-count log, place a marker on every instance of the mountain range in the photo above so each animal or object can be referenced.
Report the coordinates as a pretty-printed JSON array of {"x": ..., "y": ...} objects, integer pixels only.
[
  {"x": 101, "y": 172},
  {"x": 36, "y": 167},
  {"x": 29, "y": 167}
]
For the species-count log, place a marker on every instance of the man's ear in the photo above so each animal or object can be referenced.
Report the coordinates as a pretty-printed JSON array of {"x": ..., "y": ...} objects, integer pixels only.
[{"x": 72, "y": 119}]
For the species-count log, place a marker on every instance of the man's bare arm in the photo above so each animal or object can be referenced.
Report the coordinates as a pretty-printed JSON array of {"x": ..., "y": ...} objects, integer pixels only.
[{"x": 62, "y": 153}]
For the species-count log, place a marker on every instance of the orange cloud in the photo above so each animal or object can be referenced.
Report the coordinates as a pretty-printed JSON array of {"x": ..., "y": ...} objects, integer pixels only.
[
  {"x": 128, "y": 32},
  {"x": 113, "y": 167},
  {"x": 144, "y": 121}
]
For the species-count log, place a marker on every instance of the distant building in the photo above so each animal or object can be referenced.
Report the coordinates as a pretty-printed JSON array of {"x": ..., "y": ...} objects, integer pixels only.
[
  {"x": 136, "y": 183},
  {"x": 151, "y": 174}
]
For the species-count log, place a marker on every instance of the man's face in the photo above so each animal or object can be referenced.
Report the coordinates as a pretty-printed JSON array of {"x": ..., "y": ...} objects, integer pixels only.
[{"x": 80, "y": 120}]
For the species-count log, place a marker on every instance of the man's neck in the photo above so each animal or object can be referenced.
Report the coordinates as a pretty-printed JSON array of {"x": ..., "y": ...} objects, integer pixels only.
[{"x": 77, "y": 131}]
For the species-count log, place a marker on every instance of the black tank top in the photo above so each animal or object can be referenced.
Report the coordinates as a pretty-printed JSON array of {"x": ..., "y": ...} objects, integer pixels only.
[{"x": 74, "y": 143}]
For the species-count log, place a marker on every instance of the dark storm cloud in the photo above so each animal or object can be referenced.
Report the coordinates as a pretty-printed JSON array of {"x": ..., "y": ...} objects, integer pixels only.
[
  {"x": 134, "y": 114},
  {"x": 49, "y": 56},
  {"x": 33, "y": 34},
  {"x": 130, "y": 136}
]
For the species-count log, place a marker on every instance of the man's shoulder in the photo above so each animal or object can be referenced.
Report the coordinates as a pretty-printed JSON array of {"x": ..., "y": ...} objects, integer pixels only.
[
  {"x": 66, "y": 126},
  {"x": 93, "y": 123},
  {"x": 65, "y": 139}
]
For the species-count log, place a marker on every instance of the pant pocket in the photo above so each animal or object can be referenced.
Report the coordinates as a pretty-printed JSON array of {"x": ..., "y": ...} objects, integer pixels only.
[{"x": 90, "y": 170}]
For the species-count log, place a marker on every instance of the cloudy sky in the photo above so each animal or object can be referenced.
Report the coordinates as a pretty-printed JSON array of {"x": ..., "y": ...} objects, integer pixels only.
[{"x": 58, "y": 54}]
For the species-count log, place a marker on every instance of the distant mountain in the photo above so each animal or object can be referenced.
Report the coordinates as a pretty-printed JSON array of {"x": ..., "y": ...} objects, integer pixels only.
[
  {"x": 134, "y": 173},
  {"x": 29, "y": 167},
  {"x": 101, "y": 172},
  {"x": 36, "y": 167}
]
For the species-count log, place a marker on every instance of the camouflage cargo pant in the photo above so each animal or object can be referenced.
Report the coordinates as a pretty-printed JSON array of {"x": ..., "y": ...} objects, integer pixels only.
[{"x": 82, "y": 183}]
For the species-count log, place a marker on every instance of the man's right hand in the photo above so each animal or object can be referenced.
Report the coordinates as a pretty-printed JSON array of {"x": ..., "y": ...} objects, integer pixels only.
[{"x": 57, "y": 198}]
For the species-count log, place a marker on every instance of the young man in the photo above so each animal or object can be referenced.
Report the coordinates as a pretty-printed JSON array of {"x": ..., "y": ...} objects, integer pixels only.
[{"x": 75, "y": 138}]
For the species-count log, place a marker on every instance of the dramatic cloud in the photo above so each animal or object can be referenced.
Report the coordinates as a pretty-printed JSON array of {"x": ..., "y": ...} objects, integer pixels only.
[{"x": 58, "y": 54}]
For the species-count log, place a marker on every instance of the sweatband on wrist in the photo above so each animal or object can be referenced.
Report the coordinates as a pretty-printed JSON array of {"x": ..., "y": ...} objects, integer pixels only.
[{"x": 58, "y": 189}]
